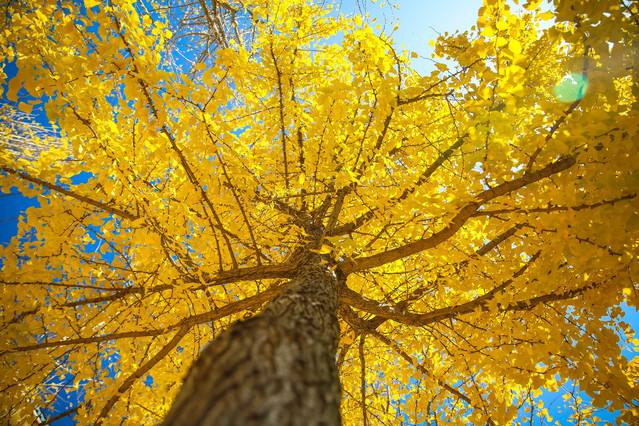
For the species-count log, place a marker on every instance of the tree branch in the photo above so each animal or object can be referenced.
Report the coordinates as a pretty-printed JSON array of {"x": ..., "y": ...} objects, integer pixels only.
[
  {"x": 129, "y": 381},
  {"x": 349, "y": 227},
  {"x": 82, "y": 198},
  {"x": 458, "y": 220},
  {"x": 551, "y": 208},
  {"x": 249, "y": 303},
  {"x": 355, "y": 300}
]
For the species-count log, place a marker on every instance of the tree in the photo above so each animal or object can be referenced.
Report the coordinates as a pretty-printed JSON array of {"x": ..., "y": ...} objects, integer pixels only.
[{"x": 277, "y": 180}]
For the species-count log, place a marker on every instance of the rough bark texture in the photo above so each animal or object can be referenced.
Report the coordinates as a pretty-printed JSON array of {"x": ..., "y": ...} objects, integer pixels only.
[{"x": 277, "y": 368}]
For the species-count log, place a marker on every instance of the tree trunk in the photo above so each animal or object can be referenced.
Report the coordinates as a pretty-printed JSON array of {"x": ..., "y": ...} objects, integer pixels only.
[{"x": 277, "y": 368}]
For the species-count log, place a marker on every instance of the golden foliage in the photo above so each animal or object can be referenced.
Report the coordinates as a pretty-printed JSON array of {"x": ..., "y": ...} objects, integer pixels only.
[{"x": 488, "y": 230}]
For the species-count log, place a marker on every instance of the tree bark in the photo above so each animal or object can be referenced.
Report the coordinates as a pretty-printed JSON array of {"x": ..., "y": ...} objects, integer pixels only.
[{"x": 277, "y": 368}]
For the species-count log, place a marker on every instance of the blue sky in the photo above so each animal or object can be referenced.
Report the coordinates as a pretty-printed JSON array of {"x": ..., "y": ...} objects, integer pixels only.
[{"x": 419, "y": 22}]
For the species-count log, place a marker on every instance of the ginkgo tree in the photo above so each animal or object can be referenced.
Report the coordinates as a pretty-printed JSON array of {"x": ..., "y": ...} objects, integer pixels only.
[{"x": 258, "y": 212}]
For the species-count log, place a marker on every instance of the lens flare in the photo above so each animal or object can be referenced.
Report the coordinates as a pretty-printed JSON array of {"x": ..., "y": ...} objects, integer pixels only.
[{"x": 571, "y": 88}]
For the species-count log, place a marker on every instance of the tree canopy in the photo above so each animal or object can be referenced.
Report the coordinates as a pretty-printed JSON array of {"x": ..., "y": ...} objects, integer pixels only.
[{"x": 484, "y": 215}]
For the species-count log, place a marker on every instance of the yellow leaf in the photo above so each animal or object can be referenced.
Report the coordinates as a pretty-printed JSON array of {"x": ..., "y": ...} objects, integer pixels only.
[
  {"x": 532, "y": 4},
  {"x": 325, "y": 249},
  {"x": 545, "y": 16},
  {"x": 514, "y": 46},
  {"x": 352, "y": 175},
  {"x": 25, "y": 107}
]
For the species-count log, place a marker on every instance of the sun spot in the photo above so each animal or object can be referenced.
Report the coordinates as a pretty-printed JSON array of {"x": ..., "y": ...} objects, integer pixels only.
[{"x": 571, "y": 88}]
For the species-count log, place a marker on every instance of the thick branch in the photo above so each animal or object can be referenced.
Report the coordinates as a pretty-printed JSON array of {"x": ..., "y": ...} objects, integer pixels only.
[
  {"x": 143, "y": 369},
  {"x": 251, "y": 302},
  {"x": 361, "y": 326},
  {"x": 355, "y": 300},
  {"x": 282, "y": 270},
  {"x": 281, "y": 109},
  {"x": 183, "y": 161},
  {"x": 551, "y": 208},
  {"x": 525, "y": 305},
  {"x": 480, "y": 303},
  {"x": 458, "y": 220},
  {"x": 83, "y": 198},
  {"x": 423, "y": 178}
]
